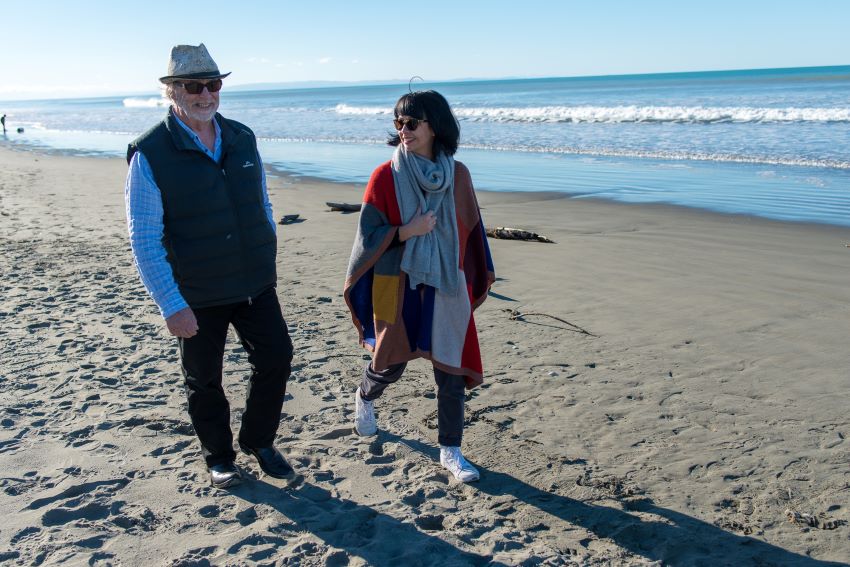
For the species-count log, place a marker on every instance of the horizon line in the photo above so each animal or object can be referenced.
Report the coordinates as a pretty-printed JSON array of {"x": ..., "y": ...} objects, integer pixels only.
[
  {"x": 389, "y": 82},
  {"x": 330, "y": 83}
]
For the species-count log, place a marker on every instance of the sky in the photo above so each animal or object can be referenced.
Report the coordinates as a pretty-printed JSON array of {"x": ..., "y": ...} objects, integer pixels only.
[{"x": 62, "y": 48}]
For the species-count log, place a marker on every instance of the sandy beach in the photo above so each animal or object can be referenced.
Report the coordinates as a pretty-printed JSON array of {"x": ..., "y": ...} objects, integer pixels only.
[{"x": 701, "y": 420}]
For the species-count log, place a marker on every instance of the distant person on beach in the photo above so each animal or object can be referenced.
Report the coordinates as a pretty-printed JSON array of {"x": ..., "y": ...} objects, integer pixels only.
[
  {"x": 419, "y": 267},
  {"x": 204, "y": 242},
  {"x": 3, "y": 122}
]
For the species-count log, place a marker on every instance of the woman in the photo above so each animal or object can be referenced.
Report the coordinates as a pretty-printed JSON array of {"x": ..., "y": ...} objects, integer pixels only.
[{"x": 419, "y": 267}]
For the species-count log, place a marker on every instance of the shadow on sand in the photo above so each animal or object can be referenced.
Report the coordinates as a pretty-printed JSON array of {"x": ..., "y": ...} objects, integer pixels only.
[
  {"x": 677, "y": 540},
  {"x": 358, "y": 530}
]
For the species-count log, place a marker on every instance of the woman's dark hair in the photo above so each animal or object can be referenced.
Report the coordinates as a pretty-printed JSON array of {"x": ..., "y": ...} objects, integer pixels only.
[{"x": 433, "y": 107}]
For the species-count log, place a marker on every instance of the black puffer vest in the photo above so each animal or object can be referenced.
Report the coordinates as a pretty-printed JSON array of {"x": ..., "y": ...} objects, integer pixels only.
[{"x": 217, "y": 236}]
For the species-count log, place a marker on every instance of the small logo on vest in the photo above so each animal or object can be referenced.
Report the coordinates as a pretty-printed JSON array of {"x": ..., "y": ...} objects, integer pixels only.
[{"x": 247, "y": 164}]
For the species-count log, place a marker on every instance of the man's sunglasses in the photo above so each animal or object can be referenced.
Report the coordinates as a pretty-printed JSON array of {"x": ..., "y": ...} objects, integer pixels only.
[
  {"x": 411, "y": 123},
  {"x": 197, "y": 88}
]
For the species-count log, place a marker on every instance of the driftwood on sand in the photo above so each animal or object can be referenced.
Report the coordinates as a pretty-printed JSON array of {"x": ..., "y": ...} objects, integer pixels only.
[
  {"x": 344, "y": 207},
  {"x": 506, "y": 233}
]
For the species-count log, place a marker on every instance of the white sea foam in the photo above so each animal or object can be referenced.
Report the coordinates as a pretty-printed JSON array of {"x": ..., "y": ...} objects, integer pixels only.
[
  {"x": 633, "y": 113},
  {"x": 145, "y": 102},
  {"x": 671, "y": 155},
  {"x": 322, "y": 140},
  {"x": 681, "y": 114},
  {"x": 343, "y": 108}
]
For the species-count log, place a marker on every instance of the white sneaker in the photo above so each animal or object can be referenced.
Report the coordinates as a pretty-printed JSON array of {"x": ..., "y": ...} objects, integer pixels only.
[
  {"x": 451, "y": 458},
  {"x": 364, "y": 416}
]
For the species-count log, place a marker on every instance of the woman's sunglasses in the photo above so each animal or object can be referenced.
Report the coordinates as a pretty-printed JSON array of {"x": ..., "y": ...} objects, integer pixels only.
[
  {"x": 411, "y": 123},
  {"x": 197, "y": 88}
]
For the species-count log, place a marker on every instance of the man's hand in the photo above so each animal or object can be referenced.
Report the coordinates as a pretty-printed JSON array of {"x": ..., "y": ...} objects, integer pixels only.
[
  {"x": 183, "y": 324},
  {"x": 421, "y": 223}
]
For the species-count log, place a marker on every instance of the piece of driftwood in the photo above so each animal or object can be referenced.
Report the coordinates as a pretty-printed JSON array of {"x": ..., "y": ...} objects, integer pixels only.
[
  {"x": 344, "y": 207},
  {"x": 506, "y": 233},
  {"x": 289, "y": 219},
  {"x": 516, "y": 315}
]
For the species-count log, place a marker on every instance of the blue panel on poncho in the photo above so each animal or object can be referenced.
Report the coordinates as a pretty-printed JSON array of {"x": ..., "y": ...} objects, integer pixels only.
[
  {"x": 418, "y": 314},
  {"x": 361, "y": 300}
]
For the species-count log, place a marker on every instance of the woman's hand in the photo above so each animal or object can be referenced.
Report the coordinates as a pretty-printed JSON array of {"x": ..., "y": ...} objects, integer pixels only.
[{"x": 421, "y": 223}]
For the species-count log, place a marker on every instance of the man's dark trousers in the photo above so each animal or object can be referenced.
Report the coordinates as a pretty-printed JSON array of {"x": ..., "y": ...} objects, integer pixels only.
[{"x": 263, "y": 333}]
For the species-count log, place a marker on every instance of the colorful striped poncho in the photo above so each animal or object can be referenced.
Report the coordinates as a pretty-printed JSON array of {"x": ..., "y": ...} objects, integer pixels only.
[{"x": 398, "y": 324}]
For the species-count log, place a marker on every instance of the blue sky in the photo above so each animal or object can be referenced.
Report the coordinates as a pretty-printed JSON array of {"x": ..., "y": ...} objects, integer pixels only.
[{"x": 99, "y": 47}]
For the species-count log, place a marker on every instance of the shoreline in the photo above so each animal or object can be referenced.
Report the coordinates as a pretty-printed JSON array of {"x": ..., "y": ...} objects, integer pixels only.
[
  {"x": 290, "y": 177},
  {"x": 711, "y": 400}
]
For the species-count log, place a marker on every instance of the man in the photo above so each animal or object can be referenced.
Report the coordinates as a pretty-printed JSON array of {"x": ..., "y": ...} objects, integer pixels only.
[
  {"x": 3, "y": 122},
  {"x": 204, "y": 242}
]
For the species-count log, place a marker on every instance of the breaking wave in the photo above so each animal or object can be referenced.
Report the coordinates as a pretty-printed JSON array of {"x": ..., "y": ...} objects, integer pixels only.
[
  {"x": 145, "y": 102},
  {"x": 631, "y": 114},
  {"x": 343, "y": 108}
]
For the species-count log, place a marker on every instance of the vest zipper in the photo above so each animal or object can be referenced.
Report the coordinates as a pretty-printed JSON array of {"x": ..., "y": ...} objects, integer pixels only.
[{"x": 230, "y": 196}]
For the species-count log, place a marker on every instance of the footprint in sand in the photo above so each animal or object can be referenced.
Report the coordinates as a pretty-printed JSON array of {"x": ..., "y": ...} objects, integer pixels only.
[
  {"x": 197, "y": 557},
  {"x": 210, "y": 511}
]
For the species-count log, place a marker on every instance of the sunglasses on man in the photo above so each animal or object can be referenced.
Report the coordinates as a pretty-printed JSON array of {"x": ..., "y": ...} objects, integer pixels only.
[
  {"x": 197, "y": 88},
  {"x": 411, "y": 123}
]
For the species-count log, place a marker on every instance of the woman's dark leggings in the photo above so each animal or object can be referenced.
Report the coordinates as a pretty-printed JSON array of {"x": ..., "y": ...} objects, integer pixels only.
[{"x": 450, "y": 397}]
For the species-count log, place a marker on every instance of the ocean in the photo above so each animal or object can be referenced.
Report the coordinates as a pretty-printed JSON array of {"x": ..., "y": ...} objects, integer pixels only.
[{"x": 773, "y": 143}]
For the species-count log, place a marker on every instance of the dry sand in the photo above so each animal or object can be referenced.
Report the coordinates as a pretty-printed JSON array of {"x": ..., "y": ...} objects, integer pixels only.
[{"x": 712, "y": 398}]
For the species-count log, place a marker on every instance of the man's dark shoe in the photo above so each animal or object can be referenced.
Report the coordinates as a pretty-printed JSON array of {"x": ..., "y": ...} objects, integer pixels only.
[
  {"x": 224, "y": 475},
  {"x": 271, "y": 461}
]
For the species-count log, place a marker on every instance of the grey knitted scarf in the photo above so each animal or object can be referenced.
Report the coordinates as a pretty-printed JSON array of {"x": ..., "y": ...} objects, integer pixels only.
[{"x": 421, "y": 184}]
